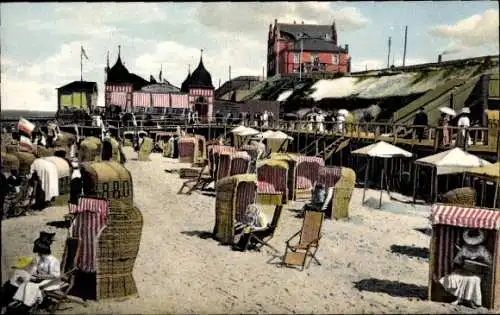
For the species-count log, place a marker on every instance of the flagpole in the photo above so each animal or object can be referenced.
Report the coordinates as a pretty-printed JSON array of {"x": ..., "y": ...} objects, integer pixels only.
[{"x": 81, "y": 76}]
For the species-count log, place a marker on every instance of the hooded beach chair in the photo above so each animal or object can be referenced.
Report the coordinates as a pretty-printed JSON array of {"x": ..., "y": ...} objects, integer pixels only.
[
  {"x": 145, "y": 149},
  {"x": 309, "y": 237},
  {"x": 188, "y": 149},
  {"x": 240, "y": 162},
  {"x": 272, "y": 182},
  {"x": 339, "y": 181},
  {"x": 63, "y": 173},
  {"x": 201, "y": 148},
  {"x": 224, "y": 167},
  {"x": 291, "y": 159},
  {"x": 214, "y": 157},
  {"x": 306, "y": 176},
  {"x": 233, "y": 195}
]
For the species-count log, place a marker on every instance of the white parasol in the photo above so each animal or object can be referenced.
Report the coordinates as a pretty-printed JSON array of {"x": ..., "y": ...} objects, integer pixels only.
[
  {"x": 448, "y": 111},
  {"x": 343, "y": 112}
]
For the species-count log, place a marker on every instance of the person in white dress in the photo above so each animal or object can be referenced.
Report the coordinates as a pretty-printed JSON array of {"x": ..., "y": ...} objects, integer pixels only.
[
  {"x": 472, "y": 262},
  {"x": 463, "y": 123},
  {"x": 340, "y": 122},
  {"x": 319, "y": 123}
]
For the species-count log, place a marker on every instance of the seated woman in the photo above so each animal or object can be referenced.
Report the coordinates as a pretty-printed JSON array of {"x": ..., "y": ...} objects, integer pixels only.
[
  {"x": 23, "y": 286},
  {"x": 254, "y": 219},
  {"x": 472, "y": 262},
  {"x": 321, "y": 199}
]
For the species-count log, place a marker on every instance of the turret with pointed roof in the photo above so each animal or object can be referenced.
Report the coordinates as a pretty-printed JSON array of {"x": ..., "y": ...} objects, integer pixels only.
[
  {"x": 200, "y": 78},
  {"x": 120, "y": 74},
  {"x": 184, "y": 85}
]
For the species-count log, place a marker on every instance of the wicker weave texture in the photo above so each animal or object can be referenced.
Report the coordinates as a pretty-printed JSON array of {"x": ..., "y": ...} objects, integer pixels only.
[
  {"x": 90, "y": 149},
  {"x": 42, "y": 151},
  {"x": 117, "y": 251},
  {"x": 25, "y": 161},
  {"x": 9, "y": 162},
  {"x": 343, "y": 193},
  {"x": 465, "y": 196},
  {"x": 11, "y": 148},
  {"x": 226, "y": 203},
  {"x": 109, "y": 180},
  {"x": 145, "y": 149}
]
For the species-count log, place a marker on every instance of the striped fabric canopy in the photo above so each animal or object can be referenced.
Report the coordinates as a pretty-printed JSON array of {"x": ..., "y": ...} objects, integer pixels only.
[
  {"x": 161, "y": 100},
  {"x": 119, "y": 99},
  {"x": 179, "y": 101},
  {"x": 142, "y": 99},
  {"x": 477, "y": 218}
]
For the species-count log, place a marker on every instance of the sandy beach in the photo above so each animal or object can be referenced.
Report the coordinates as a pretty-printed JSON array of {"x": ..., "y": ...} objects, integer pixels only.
[{"x": 374, "y": 262}]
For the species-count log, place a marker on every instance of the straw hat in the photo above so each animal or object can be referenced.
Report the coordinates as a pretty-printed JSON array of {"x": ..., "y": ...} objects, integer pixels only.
[
  {"x": 473, "y": 237},
  {"x": 23, "y": 262},
  {"x": 465, "y": 110}
]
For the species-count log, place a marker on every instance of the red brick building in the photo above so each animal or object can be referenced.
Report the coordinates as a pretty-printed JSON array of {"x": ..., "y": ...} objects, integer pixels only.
[{"x": 318, "y": 44}]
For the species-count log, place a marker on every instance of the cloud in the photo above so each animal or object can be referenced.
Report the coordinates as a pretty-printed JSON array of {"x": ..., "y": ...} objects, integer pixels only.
[
  {"x": 474, "y": 31},
  {"x": 18, "y": 93},
  {"x": 253, "y": 19},
  {"x": 96, "y": 19}
]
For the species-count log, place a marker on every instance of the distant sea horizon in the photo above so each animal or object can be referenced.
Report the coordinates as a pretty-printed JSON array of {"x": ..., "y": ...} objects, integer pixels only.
[{"x": 8, "y": 114}]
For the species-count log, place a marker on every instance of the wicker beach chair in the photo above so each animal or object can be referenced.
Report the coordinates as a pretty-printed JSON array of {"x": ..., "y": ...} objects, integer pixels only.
[
  {"x": 465, "y": 196},
  {"x": 262, "y": 236},
  {"x": 42, "y": 151},
  {"x": 63, "y": 173},
  {"x": 115, "y": 148},
  {"x": 25, "y": 161},
  {"x": 118, "y": 243},
  {"x": 272, "y": 182},
  {"x": 291, "y": 160},
  {"x": 342, "y": 180},
  {"x": 309, "y": 237},
  {"x": 201, "y": 147},
  {"x": 9, "y": 162},
  {"x": 214, "y": 152},
  {"x": 224, "y": 167},
  {"x": 306, "y": 175},
  {"x": 233, "y": 195},
  {"x": 255, "y": 150},
  {"x": 188, "y": 149},
  {"x": 145, "y": 149},
  {"x": 90, "y": 149},
  {"x": 240, "y": 162}
]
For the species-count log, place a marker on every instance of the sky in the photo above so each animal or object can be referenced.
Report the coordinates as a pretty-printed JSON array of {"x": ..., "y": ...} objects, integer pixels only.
[{"x": 40, "y": 42}]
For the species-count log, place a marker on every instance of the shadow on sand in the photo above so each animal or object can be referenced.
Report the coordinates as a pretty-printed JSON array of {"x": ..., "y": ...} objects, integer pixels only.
[
  {"x": 201, "y": 234},
  {"x": 410, "y": 251},
  {"x": 60, "y": 224},
  {"x": 393, "y": 288},
  {"x": 426, "y": 231}
]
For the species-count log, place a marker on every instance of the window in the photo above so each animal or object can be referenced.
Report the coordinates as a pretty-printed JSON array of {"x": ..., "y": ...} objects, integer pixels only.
[
  {"x": 335, "y": 59},
  {"x": 296, "y": 58}
]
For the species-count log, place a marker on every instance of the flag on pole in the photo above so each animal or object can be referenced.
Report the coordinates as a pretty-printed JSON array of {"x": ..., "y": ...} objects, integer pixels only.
[{"x": 84, "y": 53}]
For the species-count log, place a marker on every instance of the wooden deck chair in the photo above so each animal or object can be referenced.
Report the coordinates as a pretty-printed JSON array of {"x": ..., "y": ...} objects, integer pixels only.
[
  {"x": 310, "y": 234},
  {"x": 262, "y": 236},
  {"x": 68, "y": 268},
  {"x": 201, "y": 182}
]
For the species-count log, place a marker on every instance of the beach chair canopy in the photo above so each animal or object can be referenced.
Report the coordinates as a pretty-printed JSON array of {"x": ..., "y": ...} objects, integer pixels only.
[
  {"x": 467, "y": 217},
  {"x": 452, "y": 161},
  {"x": 382, "y": 149}
]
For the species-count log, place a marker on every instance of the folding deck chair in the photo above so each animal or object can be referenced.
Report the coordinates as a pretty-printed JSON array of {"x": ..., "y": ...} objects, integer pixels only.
[
  {"x": 56, "y": 297},
  {"x": 201, "y": 182},
  {"x": 261, "y": 236},
  {"x": 310, "y": 234}
]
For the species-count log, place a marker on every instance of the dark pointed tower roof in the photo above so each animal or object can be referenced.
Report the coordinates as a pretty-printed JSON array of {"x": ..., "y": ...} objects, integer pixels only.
[
  {"x": 118, "y": 72},
  {"x": 201, "y": 78},
  {"x": 185, "y": 84}
]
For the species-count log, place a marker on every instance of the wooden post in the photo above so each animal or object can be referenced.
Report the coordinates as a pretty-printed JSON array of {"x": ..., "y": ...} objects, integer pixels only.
[
  {"x": 483, "y": 187},
  {"x": 366, "y": 180},
  {"x": 382, "y": 184},
  {"x": 436, "y": 187},
  {"x": 495, "y": 196},
  {"x": 432, "y": 182},
  {"x": 415, "y": 181}
]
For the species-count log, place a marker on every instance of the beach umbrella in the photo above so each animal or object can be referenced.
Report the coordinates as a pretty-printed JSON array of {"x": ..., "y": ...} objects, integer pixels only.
[
  {"x": 343, "y": 112},
  {"x": 238, "y": 129},
  {"x": 448, "y": 111},
  {"x": 383, "y": 150}
]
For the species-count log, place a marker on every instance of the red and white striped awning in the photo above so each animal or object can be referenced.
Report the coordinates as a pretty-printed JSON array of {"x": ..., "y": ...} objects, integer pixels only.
[
  {"x": 119, "y": 99},
  {"x": 161, "y": 100},
  {"x": 141, "y": 99},
  {"x": 179, "y": 101},
  {"x": 477, "y": 218}
]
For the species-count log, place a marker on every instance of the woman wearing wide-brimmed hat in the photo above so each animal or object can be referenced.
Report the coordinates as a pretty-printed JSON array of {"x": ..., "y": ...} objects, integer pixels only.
[
  {"x": 463, "y": 123},
  {"x": 472, "y": 261}
]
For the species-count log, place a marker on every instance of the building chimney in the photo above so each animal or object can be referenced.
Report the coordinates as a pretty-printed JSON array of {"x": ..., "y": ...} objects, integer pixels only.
[
  {"x": 440, "y": 58},
  {"x": 346, "y": 47},
  {"x": 294, "y": 22}
]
